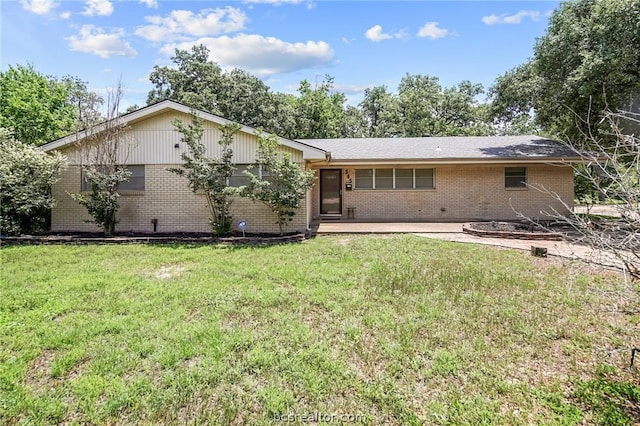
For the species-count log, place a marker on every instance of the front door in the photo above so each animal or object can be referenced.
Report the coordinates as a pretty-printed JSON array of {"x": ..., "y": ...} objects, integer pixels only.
[{"x": 330, "y": 191}]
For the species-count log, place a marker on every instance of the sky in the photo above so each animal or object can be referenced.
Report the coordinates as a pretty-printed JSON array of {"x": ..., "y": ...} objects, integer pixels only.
[{"x": 361, "y": 44}]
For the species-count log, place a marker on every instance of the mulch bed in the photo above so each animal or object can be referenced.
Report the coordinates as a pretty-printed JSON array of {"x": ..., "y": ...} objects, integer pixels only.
[
  {"x": 515, "y": 230},
  {"x": 156, "y": 238}
]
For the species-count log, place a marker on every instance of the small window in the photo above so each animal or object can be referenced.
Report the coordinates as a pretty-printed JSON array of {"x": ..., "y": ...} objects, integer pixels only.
[
  {"x": 404, "y": 178},
  {"x": 424, "y": 178},
  {"x": 135, "y": 182},
  {"x": 515, "y": 177},
  {"x": 384, "y": 178},
  {"x": 239, "y": 178},
  {"x": 364, "y": 178}
]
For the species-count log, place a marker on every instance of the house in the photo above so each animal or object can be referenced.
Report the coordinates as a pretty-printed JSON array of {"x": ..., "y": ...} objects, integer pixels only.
[{"x": 403, "y": 179}]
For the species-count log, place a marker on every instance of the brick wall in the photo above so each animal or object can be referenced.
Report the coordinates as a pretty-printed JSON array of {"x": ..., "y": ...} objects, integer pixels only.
[
  {"x": 461, "y": 192},
  {"x": 167, "y": 198}
]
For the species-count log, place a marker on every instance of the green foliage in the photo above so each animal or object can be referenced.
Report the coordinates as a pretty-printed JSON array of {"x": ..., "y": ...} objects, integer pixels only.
[
  {"x": 200, "y": 83},
  {"x": 319, "y": 112},
  {"x": 102, "y": 201},
  {"x": 281, "y": 185},
  {"x": 586, "y": 63},
  {"x": 26, "y": 176},
  {"x": 378, "y": 107},
  {"x": 33, "y": 106},
  {"x": 209, "y": 175},
  {"x": 103, "y": 152},
  {"x": 423, "y": 107},
  {"x": 612, "y": 402}
]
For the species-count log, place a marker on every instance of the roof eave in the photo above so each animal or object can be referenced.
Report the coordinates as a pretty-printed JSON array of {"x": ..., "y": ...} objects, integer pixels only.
[{"x": 444, "y": 161}]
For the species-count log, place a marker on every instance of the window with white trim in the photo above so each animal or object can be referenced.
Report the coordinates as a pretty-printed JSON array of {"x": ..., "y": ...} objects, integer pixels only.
[{"x": 395, "y": 178}]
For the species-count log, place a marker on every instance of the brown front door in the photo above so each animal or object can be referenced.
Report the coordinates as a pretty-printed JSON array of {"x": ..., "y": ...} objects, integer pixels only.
[{"x": 330, "y": 191}]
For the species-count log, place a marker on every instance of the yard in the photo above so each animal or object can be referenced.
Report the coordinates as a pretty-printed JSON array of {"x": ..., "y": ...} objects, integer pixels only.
[{"x": 375, "y": 329}]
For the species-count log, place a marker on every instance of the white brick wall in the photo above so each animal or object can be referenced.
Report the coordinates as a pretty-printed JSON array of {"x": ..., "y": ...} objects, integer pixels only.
[{"x": 166, "y": 198}]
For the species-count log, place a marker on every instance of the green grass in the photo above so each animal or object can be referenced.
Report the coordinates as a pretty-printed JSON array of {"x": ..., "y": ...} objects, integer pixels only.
[{"x": 399, "y": 329}]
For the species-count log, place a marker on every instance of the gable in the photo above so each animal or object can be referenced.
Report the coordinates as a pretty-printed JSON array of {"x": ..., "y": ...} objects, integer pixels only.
[{"x": 152, "y": 138}]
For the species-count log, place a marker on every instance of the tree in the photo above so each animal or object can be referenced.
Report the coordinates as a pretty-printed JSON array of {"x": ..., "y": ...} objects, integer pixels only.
[
  {"x": 33, "y": 106},
  {"x": 209, "y": 175},
  {"x": 319, "y": 112},
  {"x": 201, "y": 83},
  {"x": 613, "y": 169},
  {"x": 26, "y": 177},
  {"x": 587, "y": 62},
  {"x": 194, "y": 82},
  {"x": 378, "y": 108},
  {"x": 281, "y": 184},
  {"x": 104, "y": 150}
]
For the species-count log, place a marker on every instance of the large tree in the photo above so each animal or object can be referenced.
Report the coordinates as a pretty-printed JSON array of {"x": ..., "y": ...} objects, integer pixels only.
[
  {"x": 35, "y": 107},
  {"x": 200, "y": 83},
  {"x": 319, "y": 110},
  {"x": 587, "y": 62},
  {"x": 378, "y": 108}
]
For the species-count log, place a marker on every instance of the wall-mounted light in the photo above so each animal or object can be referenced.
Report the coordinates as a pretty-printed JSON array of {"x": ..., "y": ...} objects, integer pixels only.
[{"x": 177, "y": 145}]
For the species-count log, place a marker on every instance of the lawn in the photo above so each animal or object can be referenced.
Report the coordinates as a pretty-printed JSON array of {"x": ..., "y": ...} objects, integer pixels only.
[{"x": 371, "y": 329}]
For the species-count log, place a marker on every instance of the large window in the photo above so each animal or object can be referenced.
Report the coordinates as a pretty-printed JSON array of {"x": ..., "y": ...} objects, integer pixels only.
[
  {"x": 395, "y": 179},
  {"x": 364, "y": 178},
  {"x": 515, "y": 177},
  {"x": 135, "y": 182}
]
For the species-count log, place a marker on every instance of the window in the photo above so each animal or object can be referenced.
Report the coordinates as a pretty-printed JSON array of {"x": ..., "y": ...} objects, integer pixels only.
[
  {"x": 135, "y": 182},
  {"x": 395, "y": 178},
  {"x": 239, "y": 178},
  {"x": 364, "y": 178},
  {"x": 424, "y": 178},
  {"x": 515, "y": 177},
  {"x": 404, "y": 178},
  {"x": 384, "y": 178}
]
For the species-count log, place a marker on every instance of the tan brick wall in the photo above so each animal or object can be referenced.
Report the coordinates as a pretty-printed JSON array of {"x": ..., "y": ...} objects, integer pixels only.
[
  {"x": 167, "y": 198},
  {"x": 462, "y": 193}
]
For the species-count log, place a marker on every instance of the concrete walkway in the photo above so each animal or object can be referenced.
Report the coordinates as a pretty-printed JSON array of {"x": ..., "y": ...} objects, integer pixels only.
[
  {"x": 387, "y": 227},
  {"x": 453, "y": 232}
]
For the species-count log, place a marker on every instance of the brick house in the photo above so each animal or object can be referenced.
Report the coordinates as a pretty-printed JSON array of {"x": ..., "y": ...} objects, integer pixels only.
[{"x": 402, "y": 179}]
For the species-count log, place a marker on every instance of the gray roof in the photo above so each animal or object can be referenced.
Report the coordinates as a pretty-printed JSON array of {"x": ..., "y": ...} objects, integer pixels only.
[{"x": 445, "y": 148}]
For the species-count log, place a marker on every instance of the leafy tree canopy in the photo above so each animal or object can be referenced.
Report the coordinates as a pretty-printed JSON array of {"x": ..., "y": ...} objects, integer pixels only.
[
  {"x": 34, "y": 106},
  {"x": 587, "y": 62}
]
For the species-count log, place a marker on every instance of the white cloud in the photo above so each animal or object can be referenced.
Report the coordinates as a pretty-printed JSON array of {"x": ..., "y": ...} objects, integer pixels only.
[
  {"x": 516, "y": 18},
  {"x": 153, "y": 4},
  {"x": 376, "y": 34},
  {"x": 39, "y": 7},
  {"x": 262, "y": 56},
  {"x": 182, "y": 24},
  {"x": 98, "y": 7},
  {"x": 65, "y": 15},
  {"x": 281, "y": 2},
  {"x": 433, "y": 31},
  {"x": 92, "y": 39}
]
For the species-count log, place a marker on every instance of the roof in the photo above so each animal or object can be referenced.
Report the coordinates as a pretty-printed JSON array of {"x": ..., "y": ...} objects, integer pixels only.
[
  {"x": 309, "y": 152},
  {"x": 441, "y": 149}
]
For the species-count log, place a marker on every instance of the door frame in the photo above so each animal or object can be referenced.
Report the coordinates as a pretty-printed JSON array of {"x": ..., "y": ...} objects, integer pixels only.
[{"x": 320, "y": 192}]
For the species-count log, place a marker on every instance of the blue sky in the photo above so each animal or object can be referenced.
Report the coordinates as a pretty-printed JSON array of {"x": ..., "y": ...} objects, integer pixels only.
[{"x": 360, "y": 43}]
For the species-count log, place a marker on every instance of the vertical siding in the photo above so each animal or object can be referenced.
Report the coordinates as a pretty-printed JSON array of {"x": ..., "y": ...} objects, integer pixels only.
[{"x": 153, "y": 141}]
